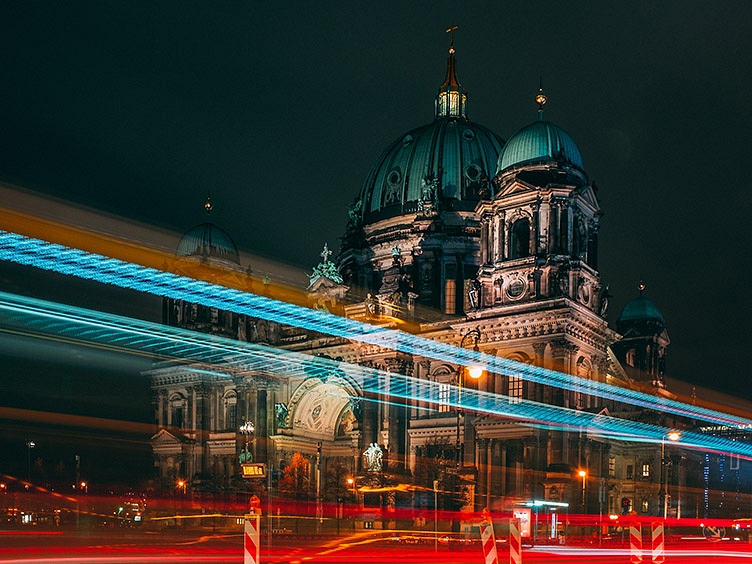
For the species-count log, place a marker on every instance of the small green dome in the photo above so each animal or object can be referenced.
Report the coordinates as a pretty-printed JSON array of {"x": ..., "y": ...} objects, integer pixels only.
[
  {"x": 208, "y": 241},
  {"x": 539, "y": 142},
  {"x": 641, "y": 309}
]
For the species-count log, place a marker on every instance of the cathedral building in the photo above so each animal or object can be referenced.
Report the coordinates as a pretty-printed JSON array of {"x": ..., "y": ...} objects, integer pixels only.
[{"x": 463, "y": 238}]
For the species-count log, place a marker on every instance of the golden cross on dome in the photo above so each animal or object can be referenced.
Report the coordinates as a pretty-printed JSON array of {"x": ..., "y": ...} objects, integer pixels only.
[{"x": 450, "y": 30}]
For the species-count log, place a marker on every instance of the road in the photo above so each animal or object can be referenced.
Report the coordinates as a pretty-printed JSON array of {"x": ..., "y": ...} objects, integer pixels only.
[{"x": 30, "y": 546}]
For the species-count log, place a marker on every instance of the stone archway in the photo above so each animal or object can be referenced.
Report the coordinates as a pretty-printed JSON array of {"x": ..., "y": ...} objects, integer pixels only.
[{"x": 319, "y": 409}]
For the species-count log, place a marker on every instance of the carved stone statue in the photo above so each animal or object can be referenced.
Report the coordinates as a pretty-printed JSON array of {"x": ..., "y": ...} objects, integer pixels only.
[
  {"x": 373, "y": 456},
  {"x": 281, "y": 412}
]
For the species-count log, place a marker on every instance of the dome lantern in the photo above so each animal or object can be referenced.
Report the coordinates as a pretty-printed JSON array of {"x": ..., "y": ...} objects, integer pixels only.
[{"x": 451, "y": 100}]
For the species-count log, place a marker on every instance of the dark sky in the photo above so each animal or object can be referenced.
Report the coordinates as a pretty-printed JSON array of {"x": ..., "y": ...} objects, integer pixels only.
[{"x": 279, "y": 109}]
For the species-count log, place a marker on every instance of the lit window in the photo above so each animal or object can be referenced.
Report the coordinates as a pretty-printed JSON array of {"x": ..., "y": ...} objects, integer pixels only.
[
  {"x": 646, "y": 470},
  {"x": 630, "y": 472},
  {"x": 645, "y": 505},
  {"x": 611, "y": 466},
  {"x": 444, "y": 390},
  {"x": 515, "y": 389},
  {"x": 450, "y": 297}
]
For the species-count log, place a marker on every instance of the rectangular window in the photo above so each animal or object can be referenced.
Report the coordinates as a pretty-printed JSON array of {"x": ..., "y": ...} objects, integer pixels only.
[
  {"x": 450, "y": 289},
  {"x": 645, "y": 505},
  {"x": 177, "y": 418},
  {"x": 646, "y": 470},
  {"x": 444, "y": 390},
  {"x": 515, "y": 389},
  {"x": 630, "y": 472},
  {"x": 232, "y": 416},
  {"x": 611, "y": 466}
]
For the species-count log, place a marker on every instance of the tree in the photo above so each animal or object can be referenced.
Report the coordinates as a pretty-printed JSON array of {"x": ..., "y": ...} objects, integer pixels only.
[
  {"x": 336, "y": 488},
  {"x": 296, "y": 478}
]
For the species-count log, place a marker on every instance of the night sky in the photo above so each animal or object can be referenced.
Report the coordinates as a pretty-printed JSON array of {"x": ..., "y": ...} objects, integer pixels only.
[{"x": 279, "y": 109}]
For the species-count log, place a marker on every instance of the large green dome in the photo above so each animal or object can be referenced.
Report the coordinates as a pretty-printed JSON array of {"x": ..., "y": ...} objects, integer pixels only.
[
  {"x": 457, "y": 154},
  {"x": 540, "y": 142}
]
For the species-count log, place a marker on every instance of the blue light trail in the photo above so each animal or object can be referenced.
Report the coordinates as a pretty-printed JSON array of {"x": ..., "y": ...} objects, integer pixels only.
[
  {"x": 91, "y": 266},
  {"x": 215, "y": 358}
]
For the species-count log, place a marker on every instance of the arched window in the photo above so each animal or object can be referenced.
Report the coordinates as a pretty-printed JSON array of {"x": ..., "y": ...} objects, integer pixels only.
[
  {"x": 231, "y": 411},
  {"x": 519, "y": 239}
]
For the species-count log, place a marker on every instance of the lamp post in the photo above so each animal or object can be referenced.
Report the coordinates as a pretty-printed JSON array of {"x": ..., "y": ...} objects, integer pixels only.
[
  {"x": 475, "y": 372},
  {"x": 674, "y": 437},
  {"x": 247, "y": 429},
  {"x": 583, "y": 474},
  {"x": 29, "y": 445},
  {"x": 435, "y": 515}
]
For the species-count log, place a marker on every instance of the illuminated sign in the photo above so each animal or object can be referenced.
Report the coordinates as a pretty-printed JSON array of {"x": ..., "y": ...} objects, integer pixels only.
[{"x": 255, "y": 470}]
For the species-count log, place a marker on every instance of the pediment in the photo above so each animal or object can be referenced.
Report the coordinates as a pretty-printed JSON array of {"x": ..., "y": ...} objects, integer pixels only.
[
  {"x": 588, "y": 195},
  {"x": 515, "y": 188},
  {"x": 165, "y": 438}
]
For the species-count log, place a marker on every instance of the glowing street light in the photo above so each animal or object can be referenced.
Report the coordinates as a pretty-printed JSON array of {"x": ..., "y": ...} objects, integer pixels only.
[
  {"x": 674, "y": 437},
  {"x": 29, "y": 445},
  {"x": 583, "y": 474},
  {"x": 475, "y": 372},
  {"x": 247, "y": 429}
]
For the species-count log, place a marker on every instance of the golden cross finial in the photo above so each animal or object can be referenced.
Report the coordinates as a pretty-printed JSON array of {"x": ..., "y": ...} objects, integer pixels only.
[{"x": 450, "y": 30}]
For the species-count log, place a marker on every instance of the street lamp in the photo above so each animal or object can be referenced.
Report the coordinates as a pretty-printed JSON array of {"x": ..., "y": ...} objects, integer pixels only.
[
  {"x": 29, "y": 445},
  {"x": 583, "y": 474},
  {"x": 475, "y": 372},
  {"x": 247, "y": 430},
  {"x": 435, "y": 515},
  {"x": 674, "y": 437}
]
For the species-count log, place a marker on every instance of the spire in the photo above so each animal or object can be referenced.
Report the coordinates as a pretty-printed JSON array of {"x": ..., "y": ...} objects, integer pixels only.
[
  {"x": 208, "y": 206},
  {"x": 451, "y": 100},
  {"x": 641, "y": 287},
  {"x": 541, "y": 100}
]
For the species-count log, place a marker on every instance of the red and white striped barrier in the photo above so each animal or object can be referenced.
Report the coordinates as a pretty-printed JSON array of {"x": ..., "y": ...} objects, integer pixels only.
[
  {"x": 488, "y": 539},
  {"x": 515, "y": 542},
  {"x": 252, "y": 542},
  {"x": 657, "y": 546},
  {"x": 635, "y": 543}
]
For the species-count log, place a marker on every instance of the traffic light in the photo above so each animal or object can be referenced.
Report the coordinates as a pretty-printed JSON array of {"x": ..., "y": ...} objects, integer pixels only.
[{"x": 626, "y": 505}]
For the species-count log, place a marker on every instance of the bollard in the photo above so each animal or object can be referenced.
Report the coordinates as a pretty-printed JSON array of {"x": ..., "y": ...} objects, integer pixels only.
[
  {"x": 488, "y": 539},
  {"x": 515, "y": 542},
  {"x": 252, "y": 542},
  {"x": 657, "y": 546},
  {"x": 635, "y": 543}
]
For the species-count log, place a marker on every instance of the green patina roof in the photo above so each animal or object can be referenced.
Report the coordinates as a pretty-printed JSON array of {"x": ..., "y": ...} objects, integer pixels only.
[
  {"x": 208, "y": 241},
  {"x": 458, "y": 154},
  {"x": 540, "y": 141},
  {"x": 640, "y": 309}
]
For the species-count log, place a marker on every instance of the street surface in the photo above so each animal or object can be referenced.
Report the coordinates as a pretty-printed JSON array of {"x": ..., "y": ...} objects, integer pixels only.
[{"x": 30, "y": 546}]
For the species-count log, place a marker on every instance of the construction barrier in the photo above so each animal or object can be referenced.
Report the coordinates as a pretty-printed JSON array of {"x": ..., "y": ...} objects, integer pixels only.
[
  {"x": 515, "y": 542},
  {"x": 252, "y": 542},
  {"x": 635, "y": 543},
  {"x": 488, "y": 539},
  {"x": 657, "y": 545}
]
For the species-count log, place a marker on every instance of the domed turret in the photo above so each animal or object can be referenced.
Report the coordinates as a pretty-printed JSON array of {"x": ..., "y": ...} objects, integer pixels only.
[
  {"x": 416, "y": 210},
  {"x": 644, "y": 343},
  {"x": 452, "y": 157},
  {"x": 540, "y": 141},
  {"x": 640, "y": 309},
  {"x": 210, "y": 242}
]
